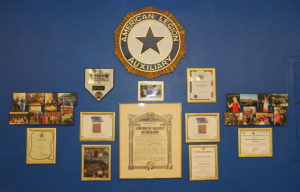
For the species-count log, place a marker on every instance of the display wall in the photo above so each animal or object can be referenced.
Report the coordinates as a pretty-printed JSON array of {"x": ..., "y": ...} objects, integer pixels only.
[{"x": 45, "y": 46}]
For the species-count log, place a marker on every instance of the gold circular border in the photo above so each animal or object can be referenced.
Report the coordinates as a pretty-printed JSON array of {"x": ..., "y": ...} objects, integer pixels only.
[{"x": 171, "y": 66}]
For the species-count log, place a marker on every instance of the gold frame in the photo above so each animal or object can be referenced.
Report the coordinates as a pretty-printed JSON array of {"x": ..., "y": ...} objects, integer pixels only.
[
  {"x": 216, "y": 161},
  {"x": 256, "y": 129},
  {"x": 97, "y": 113},
  {"x": 187, "y": 140},
  {"x": 82, "y": 163},
  {"x": 188, "y": 86},
  {"x": 176, "y": 146},
  {"x": 151, "y": 83},
  {"x": 53, "y": 145}
]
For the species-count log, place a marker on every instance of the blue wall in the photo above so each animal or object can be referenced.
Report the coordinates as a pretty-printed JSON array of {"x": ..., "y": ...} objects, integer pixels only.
[{"x": 45, "y": 46}]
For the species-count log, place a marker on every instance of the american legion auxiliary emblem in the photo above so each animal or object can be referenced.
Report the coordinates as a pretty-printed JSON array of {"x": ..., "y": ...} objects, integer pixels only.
[{"x": 149, "y": 42}]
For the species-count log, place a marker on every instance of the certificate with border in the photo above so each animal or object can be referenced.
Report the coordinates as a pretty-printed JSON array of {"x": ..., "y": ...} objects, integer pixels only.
[
  {"x": 150, "y": 140},
  {"x": 97, "y": 126},
  {"x": 95, "y": 162},
  {"x": 41, "y": 146},
  {"x": 202, "y": 127},
  {"x": 201, "y": 85},
  {"x": 203, "y": 162},
  {"x": 255, "y": 142}
]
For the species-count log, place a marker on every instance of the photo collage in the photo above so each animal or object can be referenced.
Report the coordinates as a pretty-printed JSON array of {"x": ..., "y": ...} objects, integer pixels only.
[
  {"x": 42, "y": 108},
  {"x": 256, "y": 109}
]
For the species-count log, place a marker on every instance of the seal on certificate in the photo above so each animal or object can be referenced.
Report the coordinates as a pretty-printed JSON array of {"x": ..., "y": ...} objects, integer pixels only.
[{"x": 149, "y": 42}]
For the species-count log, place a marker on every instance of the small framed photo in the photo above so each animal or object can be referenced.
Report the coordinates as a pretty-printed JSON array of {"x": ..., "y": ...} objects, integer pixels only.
[
  {"x": 150, "y": 91},
  {"x": 255, "y": 142},
  {"x": 67, "y": 99},
  {"x": 51, "y": 118},
  {"x": 41, "y": 146},
  {"x": 201, "y": 85},
  {"x": 233, "y": 103},
  {"x": 67, "y": 116},
  {"x": 95, "y": 163},
  {"x": 264, "y": 119},
  {"x": 18, "y": 118},
  {"x": 35, "y": 98},
  {"x": 51, "y": 102},
  {"x": 280, "y": 100},
  {"x": 97, "y": 126},
  {"x": 35, "y": 108},
  {"x": 279, "y": 115},
  {"x": 35, "y": 118},
  {"x": 248, "y": 99},
  {"x": 233, "y": 118},
  {"x": 203, "y": 162},
  {"x": 249, "y": 115},
  {"x": 19, "y": 102},
  {"x": 202, "y": 127},
  {"x": 264, "y": 103}
]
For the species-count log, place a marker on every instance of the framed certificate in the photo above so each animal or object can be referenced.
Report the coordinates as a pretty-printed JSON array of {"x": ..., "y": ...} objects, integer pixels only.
[
  {"x": 201, "y": 86},
  {"x": 150, "y": 91},
  {"x": 255, "y": 142},
  {"x": 202, "y": 127},
  {"x": 150, "y": 140},
  {"x": 95, "y": 163},
  {"x": 203, "y": 162},
  {"x": 41, "y": 146},
  {"x": 97, "y": 126}
]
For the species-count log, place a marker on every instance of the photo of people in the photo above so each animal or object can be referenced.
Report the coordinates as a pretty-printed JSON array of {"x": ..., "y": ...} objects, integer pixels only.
[
  {"x": 50, "y": 118},
  {"x": 18, "y": 118},
  {"x": 248, "y": 99},
  {"x": 264, "y": 119},
  {"x": 264, "y": 103},
  {"x": 151, "y": 91},
  {"x": 233, "y": 103},
  {"x": 19, "y": 102},
  {"x": 280, "y": 100},
  {"x": 35, "y": 118},
  {"x": 233, "y": 118},
  {"x": 34, "y": 108},
  {"x": 35, "y": 98},
  {"x": 279, "y": 116},
  {"x": 249, "y": 115},
  {"x": 51, "y": 102},
  {"x": 66, "y": 115},
  {"x": 96, "y": 163},
  {"x": 67, "y": 99}
]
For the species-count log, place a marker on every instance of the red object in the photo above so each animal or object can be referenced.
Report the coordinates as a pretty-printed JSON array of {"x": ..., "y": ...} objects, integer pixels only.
[{"x": 235, "y": 107}]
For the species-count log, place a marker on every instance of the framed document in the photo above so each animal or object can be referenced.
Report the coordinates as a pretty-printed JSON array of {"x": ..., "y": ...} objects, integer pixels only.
[
  {"x": 203, "y": 162},
  {"x": 202, "y": 127},
  {"x": 95, "y": 163},
  {"x": 201, "y": 86},
  {"x": 97, "y": 126},
  {"x": 150, "y": 91},
  {"x": 255, "y": 142},
  {"x": 150, "y": 140},
  {"x": 41, "y": 146}
]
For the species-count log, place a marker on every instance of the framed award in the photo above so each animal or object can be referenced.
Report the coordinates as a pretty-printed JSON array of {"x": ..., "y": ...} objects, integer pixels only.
[
  {"x": 150, "y": 140},
  {"x": 202, "y": 127},
  {"x": 201, "y": 85},
  {"x": 150, "y": 91},
  {"x": 97, "y": 126}
]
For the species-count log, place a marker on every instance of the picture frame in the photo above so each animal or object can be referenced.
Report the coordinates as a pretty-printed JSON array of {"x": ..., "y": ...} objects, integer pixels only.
[
  {"x": 203, "y": 162},
  {"x": 150, "y": 139},
  {"x": 95, "y": 162},
  {"x": 150, "y": 91},
  {"x": 97, "y": 126},
  {"x": 202, "y": 127},
  {"x": 19, "y": 102},
  {"x": 201, "y": 85},
  {"x": 255, "y": 142},
  {"x": 41, "y": 146}
]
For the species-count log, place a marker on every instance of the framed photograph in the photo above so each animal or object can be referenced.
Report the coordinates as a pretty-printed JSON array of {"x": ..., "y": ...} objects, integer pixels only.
[
  {"x": 51, "y": 102},
  {"x": 233, "y": 118},
  {"x": 150, "y": 91},
  {"x": 248, "y": 99},
  {"x": 255, "y": 142},
  {"x": 249, "y": 115},
  {"x": 19, "y": 102},
  {"x": 51, "y": 118},
  {"x": 97, "y": 126},
  {"x": 35, "y": 108},
  {"x": 18, "y": 118},
  {"x": 150, "y": 140},
  {"x": 279, "y": 115},
  {"x": 264, "y": 119},
  {"x": 202, "y": 127},
  {"x": 233, "y": 103},
  {"x": 95, "y": 163},
  {"x": 203, "y": 162},
  {"x": 41, "y": 146},
  {"x": 67, "y": 99},
  {"x": 280, "y": 100},
  {"x": 67, "y": 115},
  {"x": 35, "y": 98},
  {"x": 35, "y": 118},
  {"x": 201, "y": 85},
  {"x": 264, "y": 103}
]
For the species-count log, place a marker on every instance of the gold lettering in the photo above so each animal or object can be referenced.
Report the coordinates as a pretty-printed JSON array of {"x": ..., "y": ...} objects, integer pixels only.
[
  {"x": 124, "y": 39},
  {"x": 151, "y": 15},
  {"x": 138, "y": 18},
  {"x": 131, "y": 60},
  {"x": 168, "y": 58},
  {"x": 142, "y": 66}
]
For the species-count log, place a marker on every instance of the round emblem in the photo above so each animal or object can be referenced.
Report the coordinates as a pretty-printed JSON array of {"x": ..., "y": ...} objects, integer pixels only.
[{"x": 149, "y": 42}]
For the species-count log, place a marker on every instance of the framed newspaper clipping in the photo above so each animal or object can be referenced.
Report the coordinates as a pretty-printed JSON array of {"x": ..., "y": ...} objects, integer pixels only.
[{"x": 150, "y": 140}]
